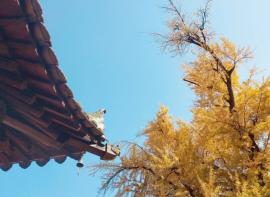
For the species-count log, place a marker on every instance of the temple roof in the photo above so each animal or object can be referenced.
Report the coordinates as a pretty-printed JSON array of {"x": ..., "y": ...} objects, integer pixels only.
[{"x": 39, "y": 118}]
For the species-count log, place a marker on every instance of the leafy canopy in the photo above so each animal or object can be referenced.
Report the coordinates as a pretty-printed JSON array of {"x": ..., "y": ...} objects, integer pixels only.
[{"x": 224, "y": 150}]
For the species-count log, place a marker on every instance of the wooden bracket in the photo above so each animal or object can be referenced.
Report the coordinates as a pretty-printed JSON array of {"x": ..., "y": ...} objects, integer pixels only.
[{"x": 110, "y": 152}]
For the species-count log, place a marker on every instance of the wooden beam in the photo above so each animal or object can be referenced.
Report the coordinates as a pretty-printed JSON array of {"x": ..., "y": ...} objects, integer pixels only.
[
  {"x": 58, "y": 115},
  {"x": 19, "y": 156},
  {"x": 33, "y": 119},
  {"x": 8, "y": 65},
  {"x": 31, "y": 152},
  {"x": 105, "y": 153},
  {"x": 13, "y": 80},
  {"x": 15, "y": 17},
  {"x": 68, "y": 126},
  {"x": 54, "y": 102},
  {"x": 20, "y": 58},
  {"x": 16, "y": 41},
  {"x": 20, "y": 141},
  {"x": 15, "y": 93},
  {"x": 16, "y": 103},
  {"x": 46, "y": 130},
  {"x": 45, "y": 87},
  {"x": 32, "y": 133}
]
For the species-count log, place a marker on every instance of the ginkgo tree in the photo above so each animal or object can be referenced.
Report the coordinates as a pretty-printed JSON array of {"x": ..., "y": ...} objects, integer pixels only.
[{"x": 224, "y": 150}]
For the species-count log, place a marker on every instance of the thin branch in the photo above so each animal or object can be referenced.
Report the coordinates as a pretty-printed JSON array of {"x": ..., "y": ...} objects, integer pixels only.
[
  {"x": 176, "y": 10},
  {"x": 191, "y": 82}
]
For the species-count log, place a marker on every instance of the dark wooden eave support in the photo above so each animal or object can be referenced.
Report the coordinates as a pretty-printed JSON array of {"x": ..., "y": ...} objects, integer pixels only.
[
  {"x": 40, "y": 115},
  {"x": 108, "y": 152},
  {"x": 30, "y": 132},
  {"x": 25, "y": 129},
  {"x": 17, "y": 17},
  {"x": 105, "y": 152}
]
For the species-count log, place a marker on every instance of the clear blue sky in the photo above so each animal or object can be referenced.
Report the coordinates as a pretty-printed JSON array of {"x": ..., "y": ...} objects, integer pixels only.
[{"x": 111, "y": 60}]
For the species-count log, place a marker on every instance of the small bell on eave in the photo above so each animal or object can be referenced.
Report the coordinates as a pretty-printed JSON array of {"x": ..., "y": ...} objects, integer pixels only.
[{"x": 80, "y": 163}]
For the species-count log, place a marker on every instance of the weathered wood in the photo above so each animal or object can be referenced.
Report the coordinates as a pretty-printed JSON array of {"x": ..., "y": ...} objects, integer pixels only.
[
  {"x": 25, "y": 164},
  {"x": 60, "y": 159},
  {"x": 4, "y": 145},
  {"x": 32, "y": 119},
  {"x": 15, "y": 93},
  {"x": 54, "y": 102},
  {"x": 19, "y": 17},
  {"x": 48, "y": 131},
  {"x": 24, "y": 144},
  {"x": 18, "y": 155},
  {"x": 105, "y": 153},
  {"x": 8, "y": 65},
  {"x": 58, "y": 115},
  {"x": 44, "y": 87},
  {"x": 33, "y": 10},
  {"x": 30, "y": 132},
  {"x": 5, "y": 165},
  {"x": 42, "y": 162},
  {"x": 16, "y": 41},
  {"x": 15, "y": 103},
  {"x": 59, "y": 78},
  {"x": 68, "y": 126},
  {"x": 13, "y": 80},
  {"x": 3, "y": 110},
  {"x": 41, "y": 119}
]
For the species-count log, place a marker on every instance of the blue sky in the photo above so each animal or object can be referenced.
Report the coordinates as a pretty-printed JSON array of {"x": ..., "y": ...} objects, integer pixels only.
[{"x": 107, "y": 52}]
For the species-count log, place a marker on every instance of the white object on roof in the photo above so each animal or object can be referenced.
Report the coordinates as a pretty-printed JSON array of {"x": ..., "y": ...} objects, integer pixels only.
[{"x": 98, "y": 118}]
